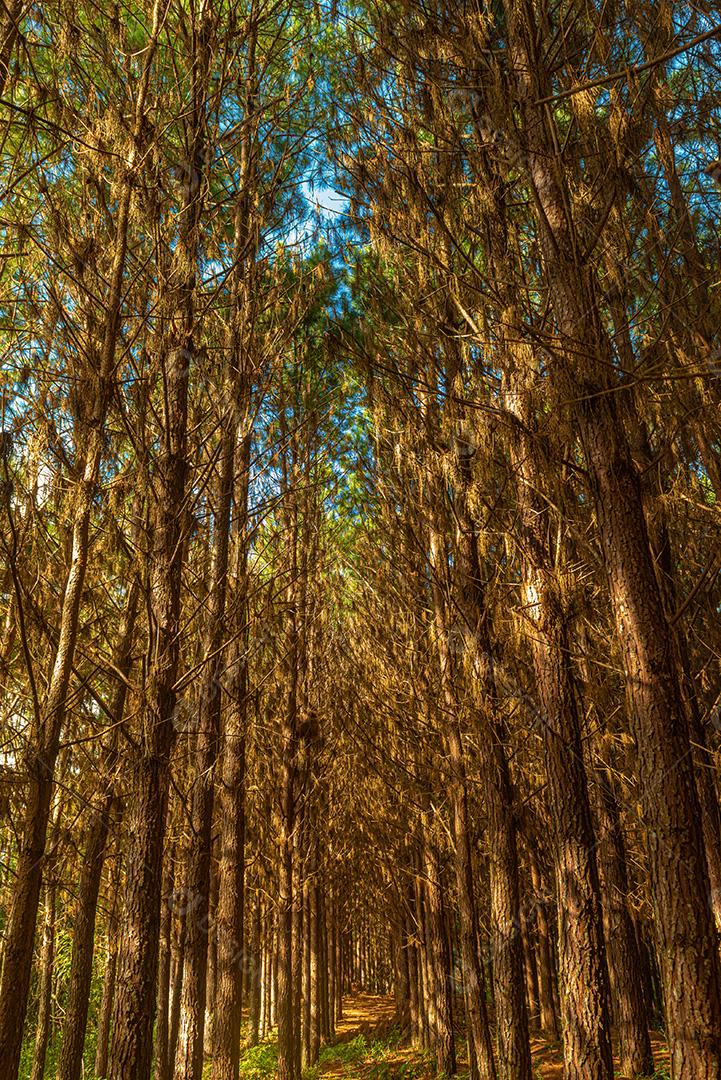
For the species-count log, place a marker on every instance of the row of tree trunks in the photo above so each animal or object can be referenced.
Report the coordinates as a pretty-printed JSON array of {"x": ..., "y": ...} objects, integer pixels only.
[
  {"x": 50, "y": 714},
  {"x": 439, "y": 1002},
  {"x": 258, "y": 970},
  {"x": 679, "y": 873},
  {"x": 585, "y": 1016},
  {"x": 134, "y": 1011},
  {"x": 70, "y": 1063}
]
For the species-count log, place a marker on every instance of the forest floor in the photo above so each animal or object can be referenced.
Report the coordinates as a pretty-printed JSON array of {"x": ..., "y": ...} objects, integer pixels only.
[{"x": 369, "y": 1047}]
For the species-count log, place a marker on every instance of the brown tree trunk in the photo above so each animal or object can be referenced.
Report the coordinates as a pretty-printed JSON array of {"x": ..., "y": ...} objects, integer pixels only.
[
  {"x": 131, "y": 1057},
  {"x": 585, "y": 1017},
  {"x": 299, "y": 933},
  {"x": 325, "y": 1027},
  {"x": 111, "y": 958},
  {"x": 546, "y": 966},
  {"x": 285, "y": 1003},
  {"x": 47, "y": 964},
  {"x": 413, "y": 1002},
  {"x": 176, "y": 981},
  {"x": 439, "y": 966},
  {"x": 285, "y": 996},
  {"x": 71, "y": 1053},
  {"x": 340, "y": 967},
  {"x": 212, "y": 977},
  {"x": 49, "y": 716},
  {"x": 162, "y": 1024},
  {"x": 624, "y": 961},
  {"x": 679, "y": 876},
  {"x": 9, "y": 29},
  {"x": 255, "y": 974},
  {"x": 191, "y": 1042},
  {"x": 332, "y": 960},
  {"x": 231, "y": 951},
  {"x": 234, "y": 461},
  {"x": 478, "y": 1028},
  {"x": 506, "y": 942},
  {"x": 44, "y": 742},
  {"x": 583, "y": 975},
  {"x": 76, "y": 1012},
  {"x": 687, "y": 945},
  {"x": 531, "y": 970},
  {"x": 314, "y": 952},
  {"x": 133, "y": 1015}
]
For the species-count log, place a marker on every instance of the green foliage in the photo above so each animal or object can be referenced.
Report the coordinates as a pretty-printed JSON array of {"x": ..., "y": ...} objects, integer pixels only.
[
  {"x": 371, "y": 1059},
  {"x": 259, "y": 1061}
]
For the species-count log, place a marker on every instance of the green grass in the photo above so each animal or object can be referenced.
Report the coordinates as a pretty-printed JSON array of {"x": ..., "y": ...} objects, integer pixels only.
[
  {"x": 259, "y": 1061},
  {"x": 373, "y": 1059}
]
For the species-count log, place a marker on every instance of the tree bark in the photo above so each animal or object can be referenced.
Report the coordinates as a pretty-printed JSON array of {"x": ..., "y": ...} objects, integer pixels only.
[
  {"x": 111, "y": 958},
  {"x": 687, "y": 941},
  {"x": 48, "y": 721},
  {"x": 585, "y": 1018},
  {"x": 162, "y": 1025},
  {"x": 131, "y": 1057},
  {"x": 71, "y": 1053},
  {"x": 256, "y": 973},
  {"x": 625, "y": 968},
  {"x": 546, "y": 966},
  {"x": 439, "y": 967},
  {"x": 47, "y": 964}
]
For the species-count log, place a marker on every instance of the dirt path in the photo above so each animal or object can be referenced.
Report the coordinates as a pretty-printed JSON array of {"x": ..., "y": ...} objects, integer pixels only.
[
  {"x": 366, "y": 1017},
  {"x": 364, "y": 1050},
  {"x": 364, "y": 1014}
]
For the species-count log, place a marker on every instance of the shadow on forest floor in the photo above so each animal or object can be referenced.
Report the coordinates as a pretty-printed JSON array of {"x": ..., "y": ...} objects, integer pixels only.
[{"x": 369, "y": 1047}]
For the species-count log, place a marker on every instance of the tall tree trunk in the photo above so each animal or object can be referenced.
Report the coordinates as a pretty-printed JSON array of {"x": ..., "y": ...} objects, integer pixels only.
[
  {"x": 478, "y": 1028},
  {"x": 531, "y": 969},
  {"x": 585, "y": 1018},
  {"x": 285, "y": 1006},
  {"x": 506, "y": 941},
  {"x": 285, "y": 1002},
  {"x": 212, "y": 977},
  {"x": 10, "y": 20},
  {"x": 71, "y": 1053},
  {"x": 413, "y": 1002},
  {"x": 47, "y": 960},
  {"x": 45, "y": 995},
  {"x": 331, "y": 959},
  {"x": 76, "y": 1013},
  {"x": 629, "y": 998},
  {"x": 131, "y": 1057},
  {"x": 191, "y": 1042},
  {"x": 232, "y": 954},
  {"x": 111, "y": 959},
  {"x": 49, "y": 715},
  {"x": 177, "y": 957},
  {"x": 546, "y": 966},
  {"x": 439, "y": 966},
  {"x": 162, "y": 1024},
  {"x": 234, "y": 461},
  {"x": 315, "y": 954},
  {"x": 300, "y": 926},
  {"x": 325, "y": 1028},
  {"x": 256, "y": 973},
  {"x": 687, "y": 945}
]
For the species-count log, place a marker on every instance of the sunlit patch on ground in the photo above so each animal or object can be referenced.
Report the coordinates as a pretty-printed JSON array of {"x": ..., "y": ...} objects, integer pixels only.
[{"x": 369, "y": 1047}]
